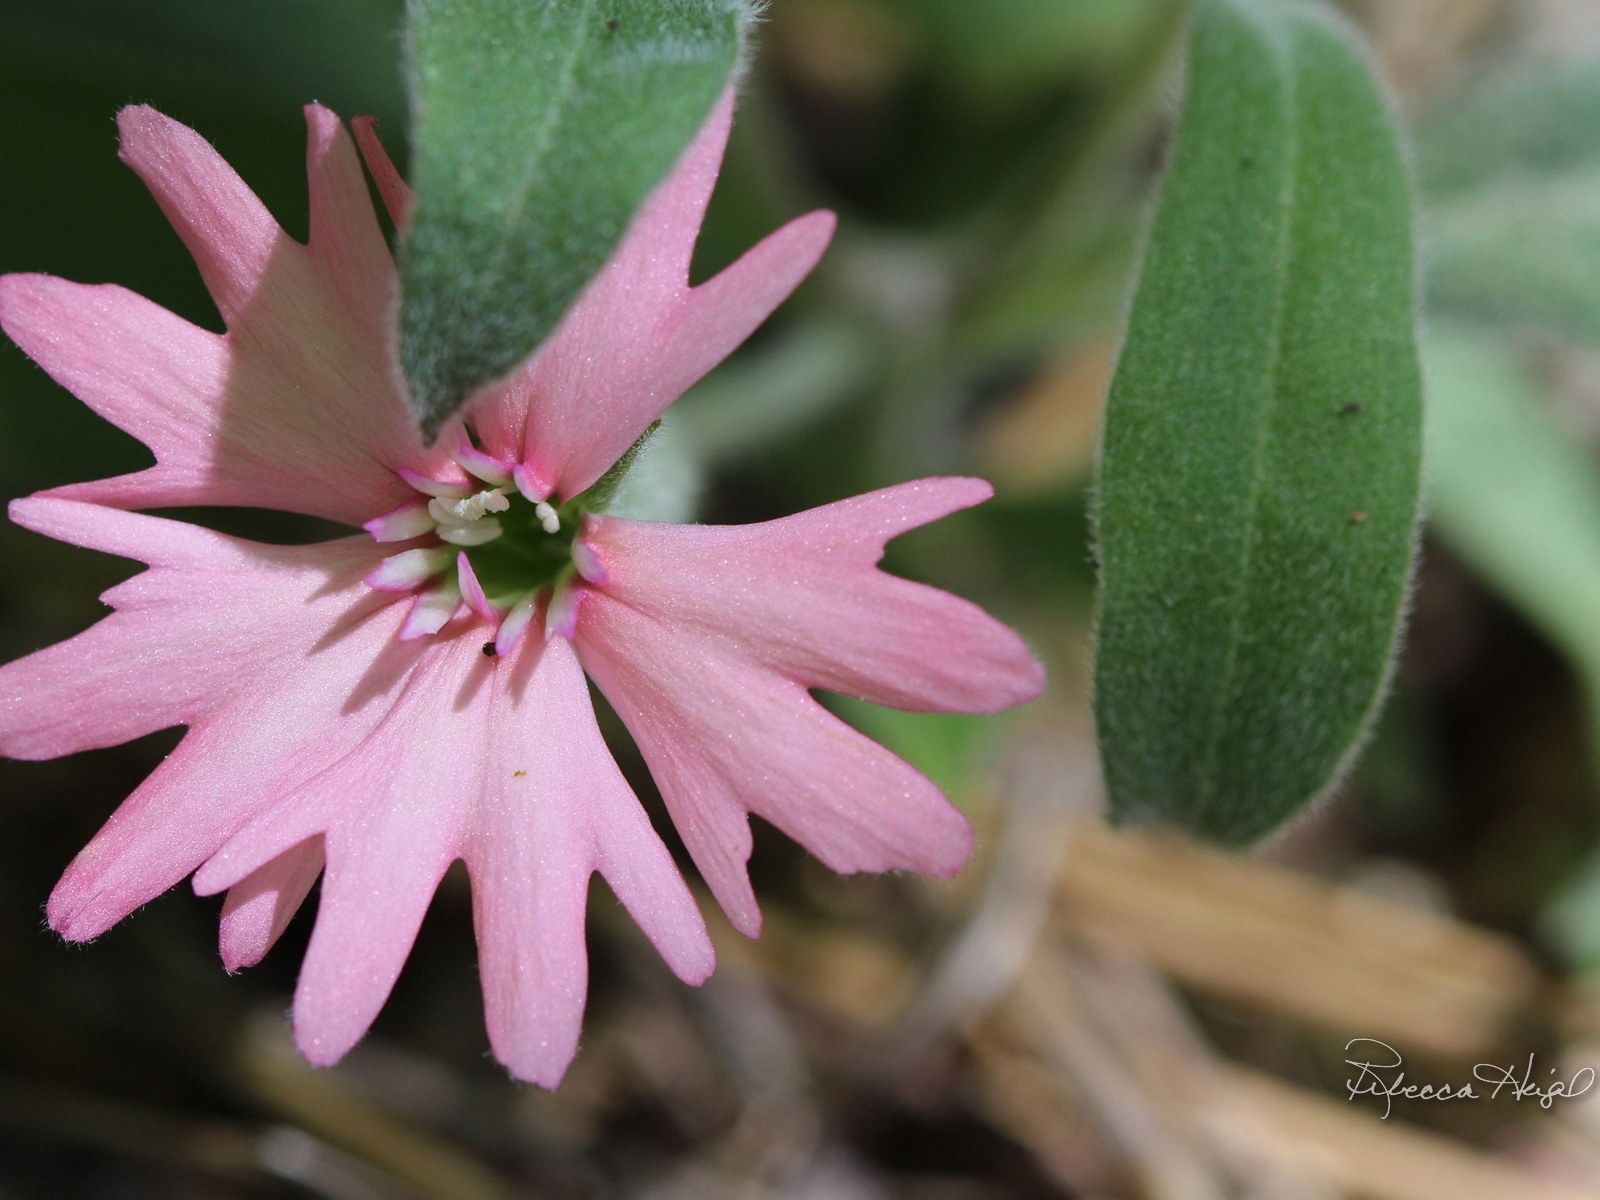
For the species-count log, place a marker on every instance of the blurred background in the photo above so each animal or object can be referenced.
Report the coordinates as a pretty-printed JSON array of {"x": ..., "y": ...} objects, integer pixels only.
[{"x": 1082, "y": 1013}]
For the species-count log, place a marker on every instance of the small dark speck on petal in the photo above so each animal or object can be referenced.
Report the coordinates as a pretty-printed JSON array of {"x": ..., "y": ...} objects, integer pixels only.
[{"x": 518, "y": 774}]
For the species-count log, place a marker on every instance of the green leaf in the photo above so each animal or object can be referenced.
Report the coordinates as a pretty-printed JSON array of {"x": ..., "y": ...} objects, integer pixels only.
[
  {"x": 603, "y": 491},
  {"x": 538, "y": 127},
  {"x": 1259, "y": 479},
  {"x": 663, "y": 480}
]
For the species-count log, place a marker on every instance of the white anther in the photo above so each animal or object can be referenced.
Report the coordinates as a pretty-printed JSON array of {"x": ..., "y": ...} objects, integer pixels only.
[
  {"x": 547, "y": 517},
  {"x": 460, "y": 512},
  {"x": 475, "y": 533}
]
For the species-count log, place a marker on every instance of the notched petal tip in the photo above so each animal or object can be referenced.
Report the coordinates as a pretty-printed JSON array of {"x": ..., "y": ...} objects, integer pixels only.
[{"x": 78, "y": 918}]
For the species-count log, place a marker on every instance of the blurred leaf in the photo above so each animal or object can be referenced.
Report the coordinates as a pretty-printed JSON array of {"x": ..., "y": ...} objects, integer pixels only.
[
  {"x": 538, "y": 128},
  {"x": 767, "y": 394},
  {"x": 1515, "y": 496},
  {"x": 1004, "y": 47},
  {"x": 946, "y": 747},
  {"x": 1532, "y": 122},
  {"x": 1572, "y": 922},
  {"x": 1527, "y": 249},
  {"x": 1260, "y": 465},
  {"x": 1054, "y": 293}
]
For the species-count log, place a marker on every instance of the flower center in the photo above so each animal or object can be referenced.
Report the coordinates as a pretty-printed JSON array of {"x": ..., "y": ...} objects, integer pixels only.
[
  {"x": 489, "y": 544},
  {"x": 529, "y": 547}
]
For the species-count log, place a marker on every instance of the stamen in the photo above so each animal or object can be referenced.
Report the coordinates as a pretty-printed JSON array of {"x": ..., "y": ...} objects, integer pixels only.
[
  {"x": 410, "y": 520},
  {"x": 474, "y": 534},
  {"x": 459, "y": 515},
  {"x": 459, "y": 512},
  {"x": 515, "y": 624},
  {"x": 432, "y": 611},
  {"x": 409, "y": 569}
]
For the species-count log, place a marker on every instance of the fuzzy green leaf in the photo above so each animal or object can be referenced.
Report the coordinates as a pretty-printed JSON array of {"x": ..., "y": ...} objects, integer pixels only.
[
  {"x": 538, "y": 127},
  {"x": 1259, "y": 480}
]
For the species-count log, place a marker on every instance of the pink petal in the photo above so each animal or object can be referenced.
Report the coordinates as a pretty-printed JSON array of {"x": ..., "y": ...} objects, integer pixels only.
[
  {"x": 283, "y": 669},
  {"x": 391, "y": 812},
  {"x": 640, "y": 336},
  {"x": 211, "y": 411},
  {"x": 725, "y": 736},
  {"x": 278, "y": 730},
  {"x": 230, "y": 233},
  {"x": 394, "y": 190},
  {"x": 162, "y": 659},
  {"x": 803, "y": 596},
  {"x": 259, "y": 908},
  {"x": 299, "y": 406},
  {"x": 354, "y": 266},
  {"x": 555, "y": 809}
]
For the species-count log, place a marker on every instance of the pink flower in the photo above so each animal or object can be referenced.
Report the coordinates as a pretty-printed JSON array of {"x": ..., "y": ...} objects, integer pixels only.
[{"x": 373, "y": 708}]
